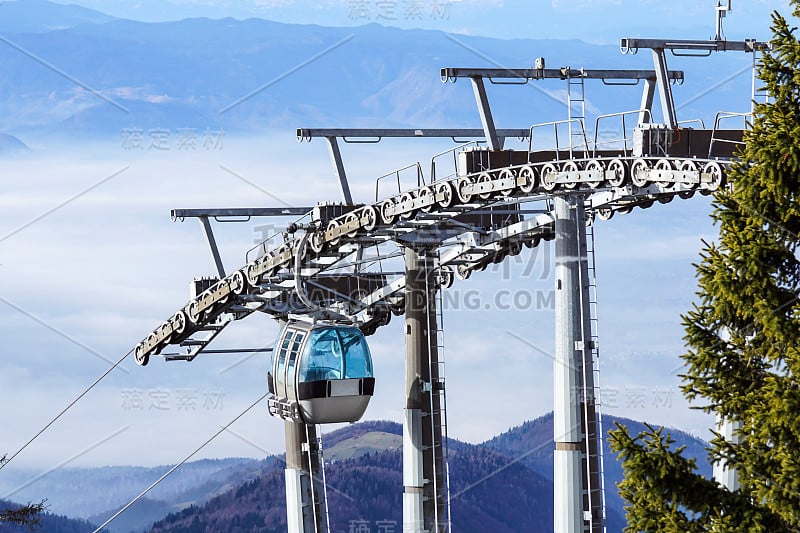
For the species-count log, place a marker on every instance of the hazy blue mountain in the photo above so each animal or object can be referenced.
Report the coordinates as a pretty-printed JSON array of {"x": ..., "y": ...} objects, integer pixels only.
[
  {"x": 253, "y": 75},
  {"x": 40, "y": 16},
  {"x": 104, "y": 490},
  {"x": 10, "y": 145},
  {"x": 532, "y": 442},
  {"x": 368, "y": 489},
  {"x": 48, "y": 522},
  {"x": 519, "y": 498},
  {"x": 363, "y": 462}
]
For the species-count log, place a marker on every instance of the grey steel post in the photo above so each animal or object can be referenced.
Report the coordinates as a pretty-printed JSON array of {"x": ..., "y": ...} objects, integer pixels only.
[
  {"x": 424, "y": 491},
  {"x": 647, "y": 102},
  {"x": 305, "y": 504},
  {"x": 592, "y": 484},
  {"x": 664, "y": 88},
  {"x": 495, "y": 143},
  {"x": 723, "y": 474},
  {"x": 570, "y": 374},
  {"x": 338, "y": 168},
  {"x": 212, "y": 244}
]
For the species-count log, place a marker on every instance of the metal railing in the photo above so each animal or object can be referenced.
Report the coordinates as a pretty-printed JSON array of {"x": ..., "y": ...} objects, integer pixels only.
[
  {"x": 434, "y": 176},
  {"x": 555, "y": 124},
  {"x": 644, "y": 116},
  {"x": 693, "y": 121},
  {"x": 396, "y": 174},
  {"x": 723, "y": 116}
]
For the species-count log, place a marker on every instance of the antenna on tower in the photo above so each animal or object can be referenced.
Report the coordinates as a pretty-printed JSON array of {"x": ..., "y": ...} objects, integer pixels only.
[{"x": 722, "y": 12}]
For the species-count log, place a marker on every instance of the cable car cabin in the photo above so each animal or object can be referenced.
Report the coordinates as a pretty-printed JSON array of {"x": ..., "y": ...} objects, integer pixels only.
[{"x": 320, "y": 373}]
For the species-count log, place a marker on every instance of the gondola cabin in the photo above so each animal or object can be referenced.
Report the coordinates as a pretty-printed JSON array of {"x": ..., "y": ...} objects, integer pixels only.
[{"x": 320, "y": 373}]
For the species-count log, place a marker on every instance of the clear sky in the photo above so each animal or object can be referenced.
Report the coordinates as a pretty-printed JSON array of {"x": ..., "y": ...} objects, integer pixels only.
[{"x": 121, "y": 266}]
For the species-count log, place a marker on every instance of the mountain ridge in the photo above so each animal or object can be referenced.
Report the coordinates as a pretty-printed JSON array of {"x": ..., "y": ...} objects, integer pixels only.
[{"x": 173, "y": 75}]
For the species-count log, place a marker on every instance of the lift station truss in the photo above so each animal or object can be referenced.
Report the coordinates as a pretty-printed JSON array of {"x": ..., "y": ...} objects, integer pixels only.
[{"x": 488, "y": 204}]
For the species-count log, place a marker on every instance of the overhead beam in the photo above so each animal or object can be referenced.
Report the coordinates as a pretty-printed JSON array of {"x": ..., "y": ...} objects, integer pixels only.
[
  {"x": 553, "y": 73},
  {"x": 180, "y": 214},
  {"x": 392, "y": 133},
  {"x": 750, "y": 45},
  {"x": 689, "y": 47}
]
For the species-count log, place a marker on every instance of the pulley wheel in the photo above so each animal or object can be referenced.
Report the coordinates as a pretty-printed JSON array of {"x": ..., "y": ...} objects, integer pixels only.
[
  {"x": 595, "y": 165},
  {"x": 350, "y": 218},
  {"x": 620, "y": 174},
  {"x": 444, "y": 189},
  {"x": 529, "y": 179},
  {"x": 193, "y": 312},
  {"x": 333, "y": 225},
  {"x": 571, "y": 167},
  {"x": 505, "y": 175},
  {"x": 605, "y": 213},
  {"x": 639, "y": 173},
  {"x": 426, "y": 196},
  {"x": 369, "y": 218},
  {"x": 689, "y": 166},
  {"x": 446, "y": 277},
  {"x": 238, "y": 283},
  {"x": 665, "y": 165},
  {"x": 405, "y": 198},
  {"x": 485, "y": 180},
  {"x": 385, "y": 206},
  {"x": 141, "y": 358},
  {"x": 463, "y": 272},
  {"x": 548, "y": 177},
  {"x": 714, "y": 170},
  {"x": 462, "y": 187},
  {"x": 316, "y": 241}
]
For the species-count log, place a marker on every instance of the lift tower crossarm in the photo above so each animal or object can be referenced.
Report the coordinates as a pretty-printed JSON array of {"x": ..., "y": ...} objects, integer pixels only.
[
  {"x": 691, "y": 47},
  {"x": 477, "y": 75},
  {"x": 203, "y": 216},
  {"x": 364, "y": 134},
  {"x": 180, "y": 214},
  {"x": 553, "y": 73},
  {"x": 749, "y": 45}
]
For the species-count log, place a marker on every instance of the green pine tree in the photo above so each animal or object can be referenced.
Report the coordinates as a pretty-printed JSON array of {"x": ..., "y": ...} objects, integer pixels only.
[{"x": 743, "y": 336}]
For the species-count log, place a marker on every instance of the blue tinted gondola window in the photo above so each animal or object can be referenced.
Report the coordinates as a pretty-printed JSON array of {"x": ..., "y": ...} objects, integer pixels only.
[
  {"x": 284, "y": 349},
  {"x": 335, "y": 353},
  {"x": 323, "y": 356},
  {"x": 358, "y": 363}
]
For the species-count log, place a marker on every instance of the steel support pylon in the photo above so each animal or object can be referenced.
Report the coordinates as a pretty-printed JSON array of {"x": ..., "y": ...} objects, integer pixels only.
[
  {"x": 577, "y": 484},
  {"x": 723, "y": 474},
  {"x": 305, "y": 501},
  {"x": 424, "y": 490}
]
